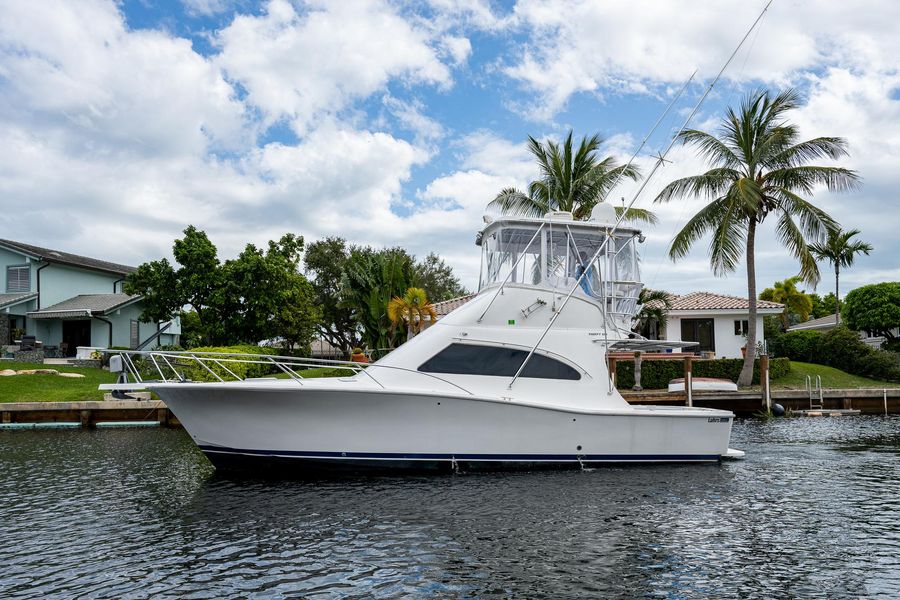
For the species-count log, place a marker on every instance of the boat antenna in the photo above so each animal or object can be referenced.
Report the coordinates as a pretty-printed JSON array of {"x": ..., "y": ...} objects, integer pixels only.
[{"x": 659, "y": 161}]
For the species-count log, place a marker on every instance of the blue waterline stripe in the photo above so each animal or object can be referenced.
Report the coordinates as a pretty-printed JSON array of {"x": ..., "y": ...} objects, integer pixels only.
[{"x": 484, "y": 457}]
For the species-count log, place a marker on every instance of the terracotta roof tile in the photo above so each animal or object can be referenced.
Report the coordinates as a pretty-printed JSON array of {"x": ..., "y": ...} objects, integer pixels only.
[{"x": 711, "y": 301}]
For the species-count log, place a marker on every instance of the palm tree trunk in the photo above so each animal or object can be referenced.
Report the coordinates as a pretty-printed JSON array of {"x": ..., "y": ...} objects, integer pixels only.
[
  {"x": 837, "y": 291},
  {"x": 746, "y": 376}
]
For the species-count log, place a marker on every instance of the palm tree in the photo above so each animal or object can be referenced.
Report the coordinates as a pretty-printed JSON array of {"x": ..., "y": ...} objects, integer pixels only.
[
  {"x": 758, "y": 168},
  {"x": 412, "y": 308},
  {"x": 840, "y": 250},
  {"x": 655, "y": 306},
  {"x": 795, "y": 301},
  {"x": 571, "y": 179}
]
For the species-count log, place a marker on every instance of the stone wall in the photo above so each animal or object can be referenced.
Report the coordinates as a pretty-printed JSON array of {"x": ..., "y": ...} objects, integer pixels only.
[
  {"x": 85, "y": 362},
  {"x": 29, "y": 356},
  {"x": 4, "y": 330}
]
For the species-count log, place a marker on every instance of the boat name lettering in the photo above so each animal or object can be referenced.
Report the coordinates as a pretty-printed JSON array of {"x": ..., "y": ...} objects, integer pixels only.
[{"x": 717, "y": 420}]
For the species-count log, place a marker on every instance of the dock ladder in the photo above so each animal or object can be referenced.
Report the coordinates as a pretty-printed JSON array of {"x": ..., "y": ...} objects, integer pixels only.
[{"x": 814, "y": 389}]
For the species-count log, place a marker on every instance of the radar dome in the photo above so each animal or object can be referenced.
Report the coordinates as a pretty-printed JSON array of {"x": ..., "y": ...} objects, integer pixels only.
[{"x": 604, "y": 212}]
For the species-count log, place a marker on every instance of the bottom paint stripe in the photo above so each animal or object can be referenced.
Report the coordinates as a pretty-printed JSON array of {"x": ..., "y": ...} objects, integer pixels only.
[{"x": 472, "y": 457}]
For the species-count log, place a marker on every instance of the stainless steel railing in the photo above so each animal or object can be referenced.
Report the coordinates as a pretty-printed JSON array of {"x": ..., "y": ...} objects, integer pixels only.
[{"x": 221, "y": 366}]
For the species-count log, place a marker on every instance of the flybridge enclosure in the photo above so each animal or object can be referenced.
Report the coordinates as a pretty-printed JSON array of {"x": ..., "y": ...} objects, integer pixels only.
[{"x": 552, "y": 253}]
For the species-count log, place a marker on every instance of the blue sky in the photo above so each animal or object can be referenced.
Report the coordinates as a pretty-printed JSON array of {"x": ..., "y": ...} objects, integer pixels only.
[{"x": 395, "y": 123}]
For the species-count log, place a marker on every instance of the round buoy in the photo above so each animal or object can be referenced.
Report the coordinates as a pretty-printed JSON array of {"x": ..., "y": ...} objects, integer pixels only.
[{"x": 778, "y": 410}]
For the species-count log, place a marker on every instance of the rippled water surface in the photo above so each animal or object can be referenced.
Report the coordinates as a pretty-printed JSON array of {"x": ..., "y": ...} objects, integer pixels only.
[{"x": 812, "y": 512}]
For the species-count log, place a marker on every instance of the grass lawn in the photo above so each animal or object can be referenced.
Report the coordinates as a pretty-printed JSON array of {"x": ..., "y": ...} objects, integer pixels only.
[
  {"x": 831, "y": 378},
  {"x": 52, "y": 388}
]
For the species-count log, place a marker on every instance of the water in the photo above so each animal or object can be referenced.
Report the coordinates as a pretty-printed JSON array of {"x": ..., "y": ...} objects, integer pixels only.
[{"x": 812, "y": 512}]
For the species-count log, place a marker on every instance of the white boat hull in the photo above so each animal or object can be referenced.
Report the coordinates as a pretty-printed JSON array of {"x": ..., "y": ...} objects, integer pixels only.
[{"x": 328, "y": 428}]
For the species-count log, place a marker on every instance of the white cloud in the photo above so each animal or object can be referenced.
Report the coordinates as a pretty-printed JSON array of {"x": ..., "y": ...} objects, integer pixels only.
[
  {"x": 75, "y": 71},
  {"x": 606, "y": 46},
  {"x": 302, "y": 66},
  {"x": 206, "y": 7}
]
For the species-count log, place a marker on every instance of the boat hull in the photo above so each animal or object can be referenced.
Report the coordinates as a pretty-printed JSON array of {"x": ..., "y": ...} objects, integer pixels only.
[{"x": 241, "y": 427}]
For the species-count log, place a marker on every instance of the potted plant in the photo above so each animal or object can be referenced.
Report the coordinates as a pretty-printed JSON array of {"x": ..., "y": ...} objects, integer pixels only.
[{"x": 357, "y": 355}]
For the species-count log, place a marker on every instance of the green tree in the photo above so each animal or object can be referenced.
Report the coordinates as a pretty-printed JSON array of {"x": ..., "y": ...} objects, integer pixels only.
[
  {"x": 167, "y": 290},
  {"x": 572, "y": 179},
  {"x": 240, "y": 300},
  {"x": 325, "y": 261},
  {"x": 436, "y": 277},
  {"x": 822, "y": 306},
  {"x": 191, "y": 330},
  {"x": 370, "y": 279},
  {"x": 760, "y": 168},
  {"x": 655, "y": 306},
  {"x": 413, "y": 308},
  {"x": 264, "y": 296},
  {"x": 797, "y": 305},
  {"x": 874, "y": 308},
  {"x": 839, "y": 248}
]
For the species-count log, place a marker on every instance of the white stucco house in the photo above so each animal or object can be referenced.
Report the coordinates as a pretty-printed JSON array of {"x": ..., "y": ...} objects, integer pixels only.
[{"x": 718, "y": 322}]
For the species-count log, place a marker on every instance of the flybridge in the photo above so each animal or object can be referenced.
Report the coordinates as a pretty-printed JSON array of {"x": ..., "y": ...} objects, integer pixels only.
[{"x": 559, "y": 254}]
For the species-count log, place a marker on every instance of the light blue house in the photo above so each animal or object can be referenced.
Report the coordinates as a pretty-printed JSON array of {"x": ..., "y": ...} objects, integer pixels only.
[{"x": 69, "y": 301}]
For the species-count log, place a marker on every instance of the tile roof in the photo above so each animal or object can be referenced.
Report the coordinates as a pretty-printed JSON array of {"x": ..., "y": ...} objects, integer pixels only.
[
  {"x": 66, "y": 258},
  {"x": 711, "y": 301},
  {"x": 447, "y": 306},
  {"x": 12, "y": 299},
  {"x": 692, "y": 301},
  {"x": 85, "y": 305}
]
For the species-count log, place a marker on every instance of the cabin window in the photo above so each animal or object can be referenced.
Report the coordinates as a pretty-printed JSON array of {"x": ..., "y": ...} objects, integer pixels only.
[
  {"x": 18, "y": 279},
  {"x": 470, "y": 359},
  {"x": 741, "y": 327}
]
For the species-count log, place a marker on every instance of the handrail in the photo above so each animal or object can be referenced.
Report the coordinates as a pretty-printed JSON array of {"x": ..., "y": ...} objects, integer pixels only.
[
  {"x": 511, "y": 271},
  {"x": 286, "y": 364}
]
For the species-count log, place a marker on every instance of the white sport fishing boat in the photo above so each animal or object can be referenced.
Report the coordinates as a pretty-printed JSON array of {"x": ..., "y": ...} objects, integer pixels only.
[{"x": 515, "y": 378}]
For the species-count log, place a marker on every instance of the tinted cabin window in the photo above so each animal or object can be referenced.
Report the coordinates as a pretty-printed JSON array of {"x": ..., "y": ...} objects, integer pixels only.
[{"x": 466, "y": 359}]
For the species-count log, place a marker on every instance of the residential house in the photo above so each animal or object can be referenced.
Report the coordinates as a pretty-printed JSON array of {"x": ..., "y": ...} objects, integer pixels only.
[
  {"x": 718, "y": 322},
  {"x": 828, "y": 322},
  {"x": 68, "y": 301}
]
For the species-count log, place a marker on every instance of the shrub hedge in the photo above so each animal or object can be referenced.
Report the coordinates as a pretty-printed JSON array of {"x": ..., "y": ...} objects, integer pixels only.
[{"x": 657, "y": 374}]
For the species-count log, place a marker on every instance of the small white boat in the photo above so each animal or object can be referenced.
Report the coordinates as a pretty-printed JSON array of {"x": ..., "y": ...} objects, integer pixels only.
[
  {"x": 704, "y": 384},
  {"x": 515, "y": 378}
]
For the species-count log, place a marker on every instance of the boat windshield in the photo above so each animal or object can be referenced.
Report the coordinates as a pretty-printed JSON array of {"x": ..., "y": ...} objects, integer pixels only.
[{"x": 557, "y": 256}]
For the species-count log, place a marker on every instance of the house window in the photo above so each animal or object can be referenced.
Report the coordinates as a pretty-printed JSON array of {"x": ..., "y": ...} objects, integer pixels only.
[
  {"x": 18, "y": 279},
  {"x": 741, "y": 327},
  {"x": 135, "y": 334},
  {"x": 701, "y": 331},
  {"x": 469, "y": 359}
]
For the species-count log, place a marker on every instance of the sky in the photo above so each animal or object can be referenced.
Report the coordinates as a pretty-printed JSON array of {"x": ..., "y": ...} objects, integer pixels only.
[{"x": 395, "y": 123}]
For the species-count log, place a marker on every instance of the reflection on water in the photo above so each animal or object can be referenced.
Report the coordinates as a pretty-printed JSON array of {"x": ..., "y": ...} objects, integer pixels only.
[{"x": 812, "y": 512}]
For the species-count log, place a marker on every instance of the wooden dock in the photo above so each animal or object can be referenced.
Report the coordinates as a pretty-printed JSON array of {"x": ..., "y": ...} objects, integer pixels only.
[{"x": 747, "y": 403}]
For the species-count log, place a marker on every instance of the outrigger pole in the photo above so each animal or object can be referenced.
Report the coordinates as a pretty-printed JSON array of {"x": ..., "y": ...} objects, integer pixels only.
[{"x": 659, "y": 161}]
